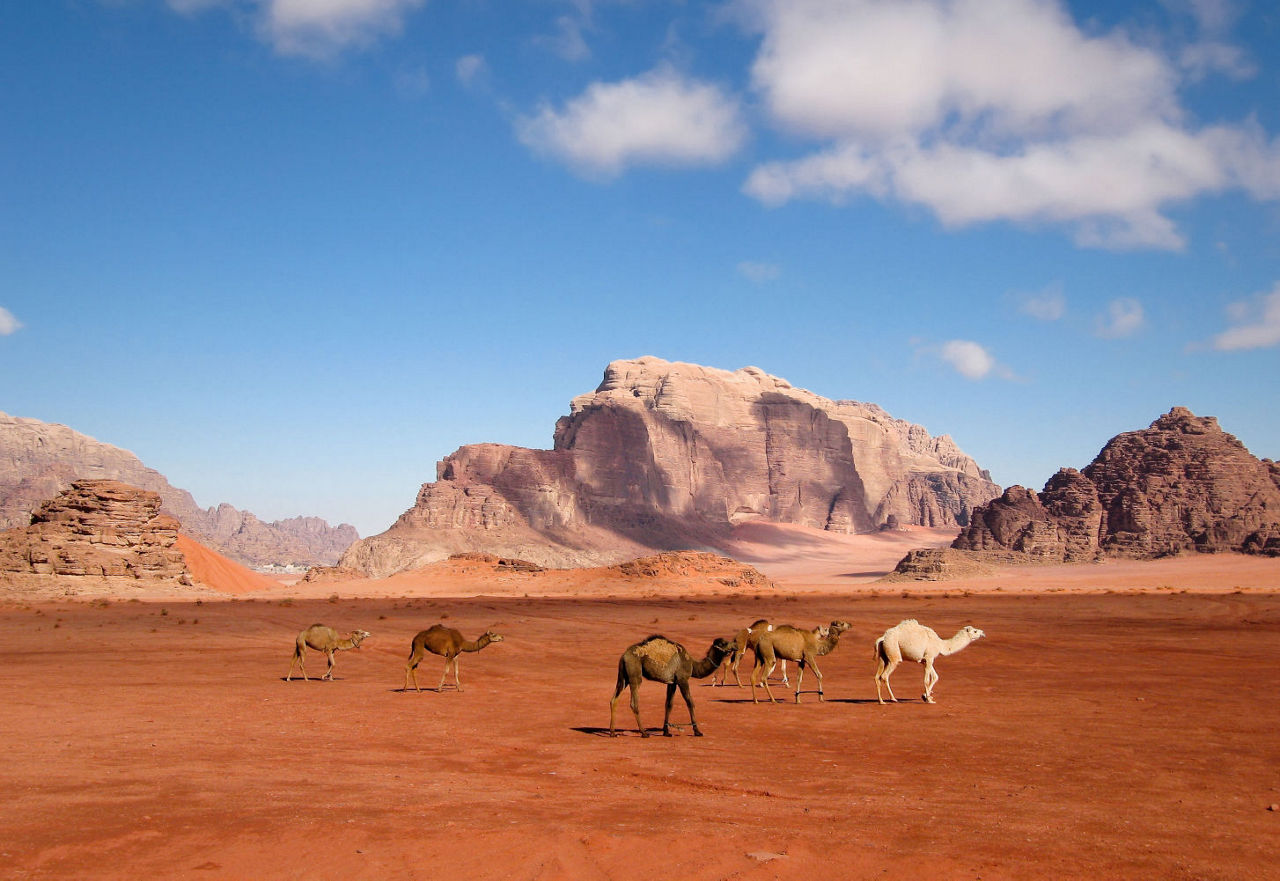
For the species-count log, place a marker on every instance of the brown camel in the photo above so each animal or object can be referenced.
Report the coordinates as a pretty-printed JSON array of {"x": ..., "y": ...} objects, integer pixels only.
[
  {"x": 323, "y": 639},
  {"x": 802, "y": 646},
  {"x": 746, "y": 639},
  {"x": 658, "y": 659},
  {"x": 441, "y": 640}
]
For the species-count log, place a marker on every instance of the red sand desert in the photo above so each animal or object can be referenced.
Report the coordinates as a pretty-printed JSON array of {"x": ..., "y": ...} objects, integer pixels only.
[{"x": 1118, "y": 721}]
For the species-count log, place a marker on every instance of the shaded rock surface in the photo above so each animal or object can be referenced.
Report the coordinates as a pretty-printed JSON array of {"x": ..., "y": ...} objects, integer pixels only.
[
  {"x": 1182, "y": 484},
  {"x": 38, "y": 460},
  {"x": 101, "y": 528},
  {"x": 667, "y": 456}
]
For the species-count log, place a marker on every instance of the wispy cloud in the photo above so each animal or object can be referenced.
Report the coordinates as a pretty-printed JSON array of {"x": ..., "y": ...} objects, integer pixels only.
[
  {"x": 317, "y": 29},
  {"x": 994, "y": 110},
  {"x": 972, "y": 360},
  {"x": 1257, "y": 323},
  {"x": 759, "y": 272},
  {"x": 1049, "y": 304},
  {"x": 471, "y": 70},
  {"x": 1123, "y": 317},
  {"x": 9, "y": 324},
  {"x": 660, "y": 118}
]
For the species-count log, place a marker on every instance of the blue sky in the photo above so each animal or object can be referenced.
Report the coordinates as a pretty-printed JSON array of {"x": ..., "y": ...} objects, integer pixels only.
[{"x": 293, "y": 252}]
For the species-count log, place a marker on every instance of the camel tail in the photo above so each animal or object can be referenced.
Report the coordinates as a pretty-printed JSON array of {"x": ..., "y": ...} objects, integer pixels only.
[{"x": 880, "y": 653}]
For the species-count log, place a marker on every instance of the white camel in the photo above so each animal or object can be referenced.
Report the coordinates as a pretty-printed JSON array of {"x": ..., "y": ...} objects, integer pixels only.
[{"x": 912, "y": 641}]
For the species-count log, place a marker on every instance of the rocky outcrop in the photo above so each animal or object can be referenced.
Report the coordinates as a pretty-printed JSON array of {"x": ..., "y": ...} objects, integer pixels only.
[
  {"x": 1183, "y": 484},
  {"x": 38, "y": 460},
  {"x": 100, "y": 528},
  {"x": 668, "y": 456}
]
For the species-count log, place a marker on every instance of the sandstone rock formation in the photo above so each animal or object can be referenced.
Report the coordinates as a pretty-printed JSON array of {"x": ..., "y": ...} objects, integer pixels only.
[
  {"x": 1183, "y": 484},
  {"x": 668, "y": 456},
  {"x": 38, "y": 460},
  {"x": 98, "y": 528}
]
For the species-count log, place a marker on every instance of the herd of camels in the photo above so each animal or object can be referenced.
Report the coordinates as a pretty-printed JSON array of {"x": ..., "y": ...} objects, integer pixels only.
[{"x": 659, "y": 659}]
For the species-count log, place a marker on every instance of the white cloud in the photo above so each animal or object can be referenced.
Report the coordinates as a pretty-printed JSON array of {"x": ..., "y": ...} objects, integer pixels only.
[
  {"x": 1124, "y": 317},
  {"x": 1257, "y": 324},
  {"x": 1047, "y": 305},
  {"x": 759, "y": 272},
  {"x": 1201, "y": 59},
  {"x": 9, "y": 324},
  {"x": 994, "y": 110},
  {"x": 320, "y": 28},
  {"x": 567, "y": 42},
  {"x": 660, "y": 117},
  {"x": 968, "y": 358},
  {"x": 314, "y": 28},
  {"x": 471, "y": 69}
]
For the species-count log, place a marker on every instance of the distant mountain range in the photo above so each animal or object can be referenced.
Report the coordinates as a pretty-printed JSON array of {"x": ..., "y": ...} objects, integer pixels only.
[{"x": 39, "y": 460}]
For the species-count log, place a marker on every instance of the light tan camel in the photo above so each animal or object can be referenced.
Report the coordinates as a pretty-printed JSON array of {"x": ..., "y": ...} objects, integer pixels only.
[
  {"x": 746, "y": 639},
  {"x": 802, "y": 646},
  {"x": 659, "y": 659},
  {"x": 441, "y": 640},
  {"x": 323, "y": 639},
  {"x": 912, "y": 641}
]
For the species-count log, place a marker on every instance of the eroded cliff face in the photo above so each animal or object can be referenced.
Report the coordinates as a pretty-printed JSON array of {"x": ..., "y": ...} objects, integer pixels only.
[
  {"x": 101, "y": 528},
  {"x": 1183, "y": 484},
  {"x": 667, "y": 456},
  {"x": 38, "y": 460}
]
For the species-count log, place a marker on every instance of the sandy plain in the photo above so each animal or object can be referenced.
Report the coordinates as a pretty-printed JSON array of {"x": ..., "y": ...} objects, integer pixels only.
[{"x": 1118, "y": 721}]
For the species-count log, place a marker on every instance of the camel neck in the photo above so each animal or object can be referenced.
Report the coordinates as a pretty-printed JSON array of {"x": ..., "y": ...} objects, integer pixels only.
[
  {"x": 476, "y": 645},
  {"x": 955, "y": 643}
]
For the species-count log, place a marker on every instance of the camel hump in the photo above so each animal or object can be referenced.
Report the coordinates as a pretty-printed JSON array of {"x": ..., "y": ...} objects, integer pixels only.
[
  {"x": 908, "y": 621},
  {"x": 651, "y": 637}
]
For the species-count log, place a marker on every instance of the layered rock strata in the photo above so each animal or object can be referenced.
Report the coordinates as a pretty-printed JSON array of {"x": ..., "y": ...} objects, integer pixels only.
[
  {"x": 668, "y": 456},
  {"x": 38, "y": 460},
  {"x": 1183, "y": 484},
  {"x": 101, "y": 528}
]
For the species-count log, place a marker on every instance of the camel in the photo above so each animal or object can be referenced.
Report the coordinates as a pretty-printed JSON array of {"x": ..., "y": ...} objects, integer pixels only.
[
  {"x": 912, "y": 641},
  {"x": 746, "y": 639},
  {"x": 441, "y": 640},
  {"x": 323, "y": 639},
  {"x": 659, "y": 659},
  {"x": 802, "y": 646}
]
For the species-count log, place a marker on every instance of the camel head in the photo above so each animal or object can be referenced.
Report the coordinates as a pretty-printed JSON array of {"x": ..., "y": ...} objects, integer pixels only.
[
  {"x": 972, "y": 632},
  {"x": 357, "y": 637},
  {"x": 838, "y": 626},
  {"x": 721, "y": 648},
  {"x": 493, "y": 636}
]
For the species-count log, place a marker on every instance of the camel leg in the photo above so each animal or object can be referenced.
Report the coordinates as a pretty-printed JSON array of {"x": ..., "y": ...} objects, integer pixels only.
[
  {"x": 784, "y": 672},
  {"x": 445, "y": 674},
  {"x": 457, "y": 682},
  {"x": 613, "y": 701},
  {"x": 688, "y": 699},
  {"x": 635, "y": 707},
  {"x": 328, "y": 673},
  {"x": 289, "y": 676},
  {"x": 888, "y": 671},
  {"x": 930, "y": 680},
  {"x": 817, "y": 674},
  {"x": 737, "y": 659},
  {"x": 666, "y": 716}
]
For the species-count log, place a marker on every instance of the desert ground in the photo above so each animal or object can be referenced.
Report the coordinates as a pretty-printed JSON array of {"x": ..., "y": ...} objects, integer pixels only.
[{"x": 1118, "y": 721}]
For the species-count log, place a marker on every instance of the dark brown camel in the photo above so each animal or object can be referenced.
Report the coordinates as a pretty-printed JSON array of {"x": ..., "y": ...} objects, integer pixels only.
[
  {"x": 441, "y": 640},
  {"x": 658, "y": 659}
]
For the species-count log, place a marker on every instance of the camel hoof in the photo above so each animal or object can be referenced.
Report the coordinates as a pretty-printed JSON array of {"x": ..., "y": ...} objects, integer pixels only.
[
  {"x": 697, "y": 733},
  {"x": 666, "y": 733},
  {"x": 644, "y": 733},
  {"x": 929, "y": 700}
]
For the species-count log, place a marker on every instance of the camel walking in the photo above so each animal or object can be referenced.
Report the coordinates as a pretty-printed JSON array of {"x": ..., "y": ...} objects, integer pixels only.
[
  {"x": 911, "y": 641},
  {"x": 323, "y": 639},
  {"x": 659, "y": 659},
  {"x": 746, "y": 640},
  {"x": 445, "y": 641},
  {"x": 793, "y": 644}
]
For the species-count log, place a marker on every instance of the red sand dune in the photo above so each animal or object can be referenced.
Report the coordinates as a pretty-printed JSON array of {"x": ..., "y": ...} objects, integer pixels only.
[{"x": 215, "y": 571}]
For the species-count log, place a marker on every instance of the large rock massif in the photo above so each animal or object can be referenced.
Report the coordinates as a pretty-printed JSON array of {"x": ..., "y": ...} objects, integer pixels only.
[
  {"x": 1183, "y": 484},
  {"x": 668, "y": 456},
  {"x": 38, "y": 460},
  {"x": 101, "y": 528}
]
